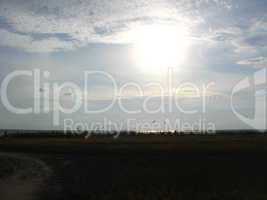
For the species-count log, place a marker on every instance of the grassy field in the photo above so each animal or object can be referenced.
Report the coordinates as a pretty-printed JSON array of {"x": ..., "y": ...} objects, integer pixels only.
[{"x": 149, "y": 167}]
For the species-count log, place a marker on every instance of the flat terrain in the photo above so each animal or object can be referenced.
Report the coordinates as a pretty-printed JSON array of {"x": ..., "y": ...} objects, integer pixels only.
[{"x": 143, "y": 167}]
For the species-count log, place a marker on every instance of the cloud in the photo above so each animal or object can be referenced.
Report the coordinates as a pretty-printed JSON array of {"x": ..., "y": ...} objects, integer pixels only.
[
  {"x": 225, "y": 34},
  {"x": 83, "y": 22},
  {"x": 27, "y": 43},
  {"x": 253, "y": 38},
  {"x": 259, "y": 40},
  {"x": 49, "y": 26},
  {"x": 258, "y": 62},
  {"x": 260, "y": 25}
]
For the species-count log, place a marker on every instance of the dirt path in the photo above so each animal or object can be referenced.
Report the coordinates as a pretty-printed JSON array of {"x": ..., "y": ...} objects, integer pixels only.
[{"x": 21, "y": 177}]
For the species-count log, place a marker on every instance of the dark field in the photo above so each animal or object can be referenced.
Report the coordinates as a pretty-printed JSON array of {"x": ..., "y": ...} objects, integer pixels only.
[{"x": 138, "y": 167}]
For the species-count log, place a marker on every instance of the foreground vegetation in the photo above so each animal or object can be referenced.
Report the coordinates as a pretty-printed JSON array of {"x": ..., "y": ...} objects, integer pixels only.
[{"x": 150, "y": 167}]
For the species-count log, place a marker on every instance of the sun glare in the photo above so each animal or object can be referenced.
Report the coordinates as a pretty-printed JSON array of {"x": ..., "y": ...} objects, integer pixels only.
[{"x": 159, "y": 46}]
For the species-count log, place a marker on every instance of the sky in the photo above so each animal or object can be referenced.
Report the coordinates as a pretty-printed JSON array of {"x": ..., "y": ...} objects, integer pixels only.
[{"x": 219, "y": 42}]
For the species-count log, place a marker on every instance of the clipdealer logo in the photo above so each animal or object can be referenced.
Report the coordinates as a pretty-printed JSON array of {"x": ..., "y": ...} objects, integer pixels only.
[
  {"x": 252, "y": 89},
  {"x": 48, "y": 95}
]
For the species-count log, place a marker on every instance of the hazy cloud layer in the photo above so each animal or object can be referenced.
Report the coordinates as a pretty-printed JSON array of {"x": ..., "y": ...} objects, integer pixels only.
[{"x": 72, "y": 24}]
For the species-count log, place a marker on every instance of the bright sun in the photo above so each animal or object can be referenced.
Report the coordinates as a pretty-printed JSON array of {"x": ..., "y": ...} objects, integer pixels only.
[{"x": 159, "y": 46}]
